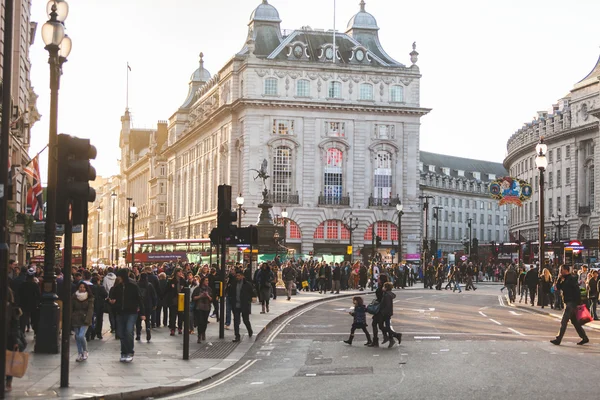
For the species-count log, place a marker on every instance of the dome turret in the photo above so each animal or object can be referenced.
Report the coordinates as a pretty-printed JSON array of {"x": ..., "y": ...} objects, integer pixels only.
[
  {"x": 201, "y": 74},
  {"x": 362, "y": 20},
  {"x": 265, "y": 12}
]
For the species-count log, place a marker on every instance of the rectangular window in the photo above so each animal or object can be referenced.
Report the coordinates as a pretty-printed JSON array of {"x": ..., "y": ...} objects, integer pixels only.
[
  {"x": 550, "y": 155},
  {"x": 366, "y": 91},
  {"x": 537, "y": 209},
  {"x": 558, "y": 178},
  {"x": 271, "y": 86},
  {"x": 567, "y": 205},
  {"x": 446, "y": 216},
  {"x": 558, "y": 204},
  {"x": 536, "y": 182},
  {"x": 453, "y": 202},
  {"x": 383, "y": 175},
  {"x": 481, "y": 234},
  {"x": 303, "y": 88},
  {"x": 162, "y": 207},
  {"x": 283, "y": 127},
  {"x": 489, "y": 206},
  {"x": 335, "y": 129},
  {"x": 282, "y": 174},
  {"x": 396, "y": 94},
  {"x": 335, "y": 90},
  {"x": 460, "y": 217},
  {"x": 568, "y": 176},
  {"x": 445, "y": 233},
  {"x": 161, "y": 188},
  {"x": 333, "y": 174},
  {"x": 453, "y": 216},
  {"x": 482, "y": 205},
  {"x": 558, "y": 154},
  {"x": 481, "y": 219},
  {"x": 161, "y": 228},
  {"x": 163, "y": 170},
  {"x": 568, "y": 151},
  {"x": 453, "y": 231},
  {"x": 445, "y": 201},
  {"x": 460, "y": 202},
  {"x": 489, "y": 219},
  {"x": 460, "y": 233},
  {"x": 550, "y": 209},
  {"x": 550, "y": 179},
  {"x": 489, "y": 234}
]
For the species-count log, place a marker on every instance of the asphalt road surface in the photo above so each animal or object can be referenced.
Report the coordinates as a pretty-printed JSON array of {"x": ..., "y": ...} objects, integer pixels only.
[{"x": 468, "y": 345}]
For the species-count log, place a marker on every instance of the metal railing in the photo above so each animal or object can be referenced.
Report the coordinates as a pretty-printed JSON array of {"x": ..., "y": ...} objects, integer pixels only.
[
  {"x": 284, "y": 198},
  {"x": 330, "y": 200},
  {"x": 381, "y": 202}
]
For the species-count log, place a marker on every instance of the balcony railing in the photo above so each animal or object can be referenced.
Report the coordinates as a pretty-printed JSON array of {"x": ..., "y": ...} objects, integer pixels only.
[
  {"x": 283, "y": 198},
  {"x": 585, "y": 210},
  {"x": 330, "y": 200},
  {"x": 380, "y": 202}
]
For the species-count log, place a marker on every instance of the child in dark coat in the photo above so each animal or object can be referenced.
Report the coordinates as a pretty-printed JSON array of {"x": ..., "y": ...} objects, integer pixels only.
[{"x": 360, "y": 320}]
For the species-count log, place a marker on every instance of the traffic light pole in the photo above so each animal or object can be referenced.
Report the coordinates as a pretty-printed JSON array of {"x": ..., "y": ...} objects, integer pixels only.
[
  {"x": 470, "y": 236},
  {"x": 4, "y": 157},
  {"x": 222, "y": 299},
  {"x": 84, "y": 244},
  {"x": 66, "y": 317}
]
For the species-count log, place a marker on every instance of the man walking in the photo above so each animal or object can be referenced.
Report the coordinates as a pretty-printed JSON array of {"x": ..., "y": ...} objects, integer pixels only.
[
  {"x": 531, "y": 280},
  {"x": 127, "y": 302},
  {"x": 289, "y": 277},
  {"x": 572, "y": 297},
  {"x": 240, "y": 296},
  {"x": 510, "y": 281}
]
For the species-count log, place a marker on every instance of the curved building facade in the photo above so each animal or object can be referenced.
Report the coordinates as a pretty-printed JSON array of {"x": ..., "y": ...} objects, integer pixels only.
[{"x": 571, "y": 132}]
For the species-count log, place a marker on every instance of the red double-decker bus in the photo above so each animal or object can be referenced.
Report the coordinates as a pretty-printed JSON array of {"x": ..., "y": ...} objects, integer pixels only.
[{"x": 165, "y": 250}]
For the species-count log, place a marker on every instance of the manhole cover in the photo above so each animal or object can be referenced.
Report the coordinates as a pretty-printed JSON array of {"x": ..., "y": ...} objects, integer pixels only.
[{"x": 214, "y": 350}]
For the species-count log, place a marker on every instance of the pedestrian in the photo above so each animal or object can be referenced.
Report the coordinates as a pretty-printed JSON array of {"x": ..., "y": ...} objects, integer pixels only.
[
  {"x": 15, "y": 339},
  {"x": 386, "y": 311},
  {"x": 240, "y": 294},
  {"x": 532, "y": 280},
  {"x": 289, "y": 277},
  {"x": 82, "y": 312},
  {"x": 592, "y": 293},
  {"x": 523, "y": 290},
  {"x": 382, "y": 279},
  {"x": 100, "y": 298},
  {"x": 150, "y": 300},
  {"x": 108, "y": 282},
  {"x": 30, "y": 299},
  {"x": 360, "y": 320},
  {"x": 202, "y": 298},
  {"x": 510, "y": 282},
  {"x": 265, "y": 278},
  {"x": 572, "y": 298},
  {"x": 162, "y": 307},
  {"x": 546, "y": 284},
  {"x": 174, "y": 287},
  {"x": 127, "y": 302}
]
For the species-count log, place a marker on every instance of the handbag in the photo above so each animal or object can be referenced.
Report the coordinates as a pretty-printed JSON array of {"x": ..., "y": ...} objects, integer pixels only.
[
  {"x": 583, "y": 314},
  {"x": 304, "y": 284},
  {"x": 16, "y": 363},
  {"x": 374, "y": 307}
]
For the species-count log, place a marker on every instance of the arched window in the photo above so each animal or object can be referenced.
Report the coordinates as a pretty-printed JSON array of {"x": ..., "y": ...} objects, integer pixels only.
[
  {"x": 366, "y": 91},
  {"x": 386, "y": 230},
  {"x": 335, "y": 90},
  {"x": 293, "y": 230},
  {"x": 332, "y": 229},
  {"x": 396, "y": 94},
  {"x": 206, "y": 194},
  {"x": 271, "y": 86},
  {"x": 333, "y": 175},
  {"x": 303, "y": 88},
  {"x": 214, "y": 183},
  {"x": 382, "y": 179},
  {"x": 282, "y": 174}
]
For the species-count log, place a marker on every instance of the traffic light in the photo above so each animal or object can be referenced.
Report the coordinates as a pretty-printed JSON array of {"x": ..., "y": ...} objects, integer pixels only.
[
  {"x": 225, "y": 216},
  {"x": 475, "y": 245},
  {"x": 123, "y": 253},
  {"x": 73, "y": 176},
  {"x": 247, "y": 235},
  {"x": 377, "y": 242}
]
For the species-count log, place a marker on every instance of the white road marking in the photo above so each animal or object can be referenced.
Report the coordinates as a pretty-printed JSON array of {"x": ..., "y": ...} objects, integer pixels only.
[
  {"x": 413, "y": 298},
  {"x": 427, "y": 337},
  {"x": 515, "y": 313},
  {"x": 524, "y": 352},
  {"x": 344, "y": 356},
  {"x": 493, "y": 352},
  {"x": 280, "y": 328},
  {"x": 483, "y": 314},
  {"x": 222, "y": 380},
  {"x": 494, "y": 321},
  {"x": 218, "y": 368},
  {"x": 516, "y": 331},
  {"x": 256, "y": 383},
  {"x": 311, "y": 374},
  {"x": 464, "y": 353},
  {"x": 501, "y": 301},
  {"x": 375, "y": 355},
  {"x": 442, "y": 350},
  {"x": 434, "y": 354}
]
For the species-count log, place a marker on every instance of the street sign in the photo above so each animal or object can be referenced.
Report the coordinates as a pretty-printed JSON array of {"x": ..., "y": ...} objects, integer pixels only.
[{"x": 393, "y": 252}]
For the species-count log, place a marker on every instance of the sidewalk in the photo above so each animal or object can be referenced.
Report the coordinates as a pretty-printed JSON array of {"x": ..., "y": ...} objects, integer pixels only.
[
  {"x": 548, "y": 311},
  {"x": 158, "y": 366}
]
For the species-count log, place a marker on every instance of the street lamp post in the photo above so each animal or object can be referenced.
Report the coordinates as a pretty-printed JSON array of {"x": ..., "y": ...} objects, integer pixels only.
[
  {"x": 240, "y": 202},
  {"x": 112, "y": 240},
  {"x": 133, "y": 214},
  {"x": 58, "y": 45},
  {"x": 399, "y": 209},
  {"x": 436, "y": 215},
  {"x": 559, "y": 225},
  {"x": 276, "y": 240},
  {"x": 470, "y": 224},
  {"x": 129, "y": 200},
  {"x": 98, "y": 210},
  {"x": 284, "y": 215},
  {"x": 425, "y": 245},
  {"x": 541, "y": 162},
  {"x": 352, "y": 224}
]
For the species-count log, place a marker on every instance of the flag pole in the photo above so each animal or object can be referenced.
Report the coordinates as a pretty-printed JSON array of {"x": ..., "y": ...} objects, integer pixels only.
[{"x": 38, "y": 153}]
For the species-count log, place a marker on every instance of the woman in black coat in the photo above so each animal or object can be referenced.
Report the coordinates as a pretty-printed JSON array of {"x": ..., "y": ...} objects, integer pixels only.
[
  {"x": 377, "y": 317},
  {"x": 15, "y": 339}
]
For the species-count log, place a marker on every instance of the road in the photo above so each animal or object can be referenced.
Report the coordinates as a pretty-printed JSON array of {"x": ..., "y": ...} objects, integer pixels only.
[{"x": 468, "y": 345}]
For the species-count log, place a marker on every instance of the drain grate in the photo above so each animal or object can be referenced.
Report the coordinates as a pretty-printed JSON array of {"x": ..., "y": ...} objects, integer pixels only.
[{"x": 214, "y": 350}]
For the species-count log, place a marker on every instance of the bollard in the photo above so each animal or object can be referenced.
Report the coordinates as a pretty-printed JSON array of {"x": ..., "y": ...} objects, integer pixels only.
[{"x": 186, "y": 323}]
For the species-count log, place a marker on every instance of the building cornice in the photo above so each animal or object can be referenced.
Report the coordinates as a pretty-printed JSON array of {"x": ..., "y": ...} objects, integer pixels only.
[{"x": 549, "y": 140}]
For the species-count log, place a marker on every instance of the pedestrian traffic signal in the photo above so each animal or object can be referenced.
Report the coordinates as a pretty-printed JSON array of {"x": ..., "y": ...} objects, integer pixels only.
[
  {"x": 74, "y": 172},
  {"x": 123, "y": 253},
  {"x": 225, "y": 216},
  {"x": 377, "y": 242}
]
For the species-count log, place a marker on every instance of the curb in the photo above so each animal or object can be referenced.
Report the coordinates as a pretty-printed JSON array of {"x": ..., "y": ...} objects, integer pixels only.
[
  {"x": 168, "y": 390},
  {"x": 592, "y": 325}
]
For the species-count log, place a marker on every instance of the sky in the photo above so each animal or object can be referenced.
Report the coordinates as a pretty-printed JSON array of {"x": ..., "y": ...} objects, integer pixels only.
[{"x": 487, "y": 66}]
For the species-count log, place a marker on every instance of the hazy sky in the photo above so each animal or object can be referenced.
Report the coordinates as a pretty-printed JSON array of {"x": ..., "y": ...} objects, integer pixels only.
[{"x": 487, "y": 66}]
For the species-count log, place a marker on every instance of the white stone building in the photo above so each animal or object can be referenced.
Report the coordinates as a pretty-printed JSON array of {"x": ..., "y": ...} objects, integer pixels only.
[
  {"x": 338, "y": 123},
  {"x": 460, "y": 188},
  {"x": 571, "y": 132}
]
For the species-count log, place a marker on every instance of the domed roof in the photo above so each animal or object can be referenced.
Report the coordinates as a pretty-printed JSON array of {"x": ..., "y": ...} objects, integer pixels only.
[
  {"x": 201, "y": 74},
  {"x": 362, "y": 20},
  {"x": 265, "y": 12}
]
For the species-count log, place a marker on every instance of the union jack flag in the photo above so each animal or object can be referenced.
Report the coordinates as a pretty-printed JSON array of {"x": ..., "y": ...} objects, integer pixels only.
[{"x": 34, "y": 195}]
